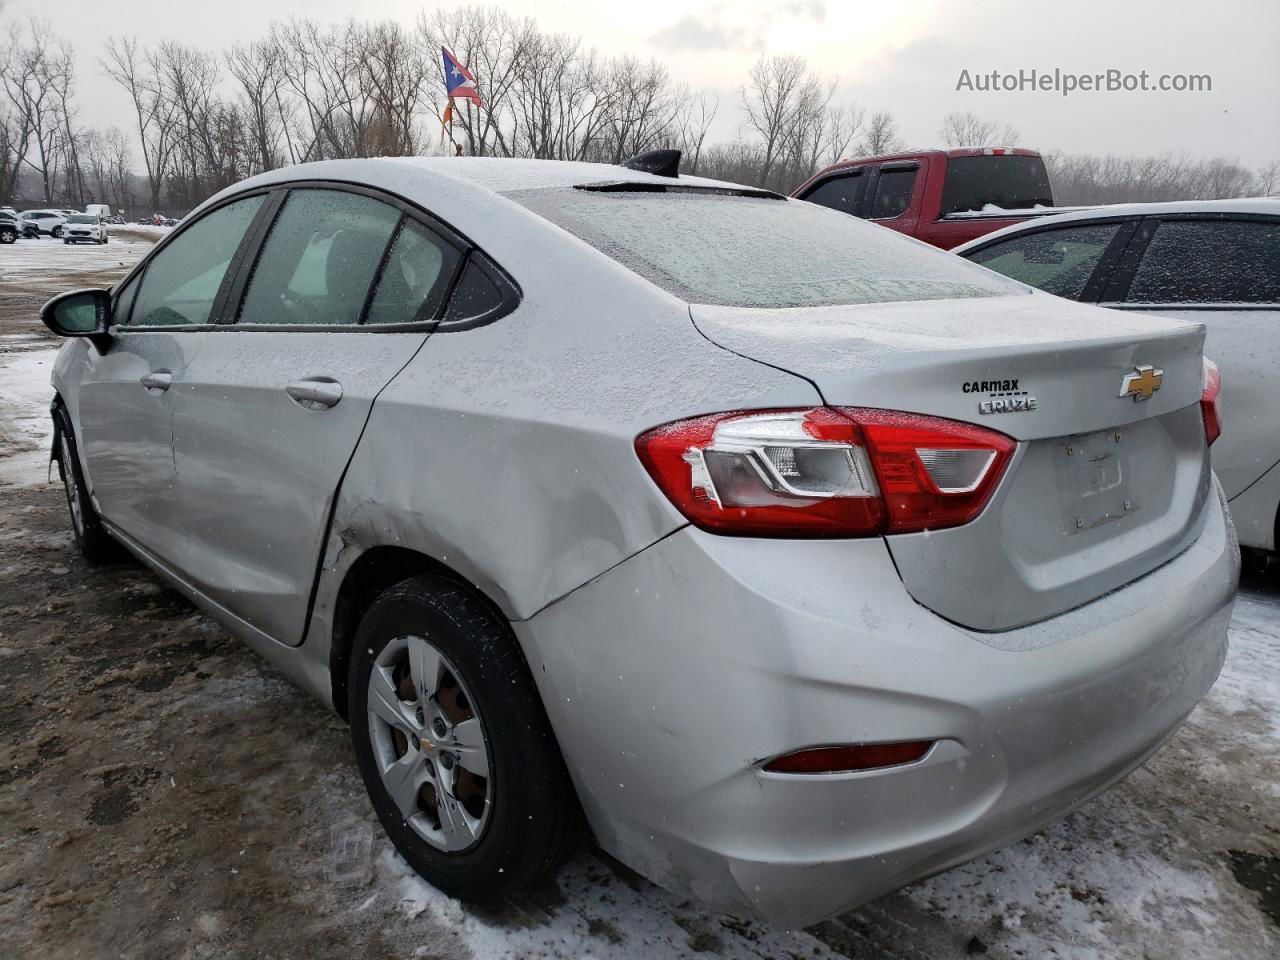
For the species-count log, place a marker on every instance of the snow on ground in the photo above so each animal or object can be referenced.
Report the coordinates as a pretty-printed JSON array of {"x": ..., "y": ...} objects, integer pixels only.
[
  {"x": 47, "y": 263},
  {"x": 25, "y": 427}
]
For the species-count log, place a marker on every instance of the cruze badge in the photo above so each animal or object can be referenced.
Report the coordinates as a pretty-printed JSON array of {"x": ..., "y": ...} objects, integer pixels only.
[
  {"x": 1003, "y": 396},
  {"x": 1142, "y": 383}
]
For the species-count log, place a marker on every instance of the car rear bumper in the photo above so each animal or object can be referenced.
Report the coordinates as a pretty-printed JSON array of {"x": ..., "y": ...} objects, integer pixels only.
[{"x": 671, "y": 679}]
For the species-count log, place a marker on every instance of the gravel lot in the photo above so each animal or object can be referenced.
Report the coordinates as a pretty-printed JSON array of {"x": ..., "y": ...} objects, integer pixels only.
[{"x": 164, "y": 793}]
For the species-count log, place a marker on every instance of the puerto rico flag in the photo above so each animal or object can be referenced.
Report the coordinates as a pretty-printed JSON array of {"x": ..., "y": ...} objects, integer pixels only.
[{"x": 458, "y": 80}]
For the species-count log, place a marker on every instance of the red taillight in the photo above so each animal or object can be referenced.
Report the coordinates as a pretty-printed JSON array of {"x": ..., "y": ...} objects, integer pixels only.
[
  {"x": 1209, "y": 402},
  {"x": 825, "y": 472},
  {"x": 846, "y": 759}
]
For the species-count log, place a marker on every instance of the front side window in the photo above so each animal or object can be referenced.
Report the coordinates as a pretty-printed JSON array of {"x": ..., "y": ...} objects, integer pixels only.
[
  {"x": 319, "y": 259},
  {"x": 893, "y": 193},
  {"x": 840, "y": 193},
  {"x": 1210, "y": 261},
  {"x": 711, "y": 248},
  {"x": 415, "y": 277},
  {"x": 182, "y": 280},
  {"x": 124, "y": 301},
  {"x": 1056, "y": 261}
]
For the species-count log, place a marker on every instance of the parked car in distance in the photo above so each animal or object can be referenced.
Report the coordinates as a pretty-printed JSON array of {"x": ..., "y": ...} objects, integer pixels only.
[
  {"x": 100, "y": 210},
  {"x": 84, "y": 228},
  {"x": 943, "y": 197},
  {"x": 1216, "y": 262},
  {"x": 51, "y": 222},
  {"x": 771, "y": 540},
  {"x": 11, "y": 228}
]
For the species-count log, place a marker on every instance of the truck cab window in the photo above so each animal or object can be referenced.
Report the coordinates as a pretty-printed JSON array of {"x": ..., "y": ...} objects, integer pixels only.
[{"x": 893, "y": 193}]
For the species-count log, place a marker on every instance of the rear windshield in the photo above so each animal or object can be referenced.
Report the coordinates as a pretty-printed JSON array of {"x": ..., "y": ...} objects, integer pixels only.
[
  {"x": 748, "y": 252},
  {"x": 1011, "y": 183}
]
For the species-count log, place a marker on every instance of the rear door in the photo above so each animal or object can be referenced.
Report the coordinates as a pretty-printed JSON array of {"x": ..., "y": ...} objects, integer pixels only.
[
  {"x": 125, "y": 408},
  {"x": 344, "y": 291},
  {"x": 896, "y": 191},
  {"x": 1224, "y": 272}
]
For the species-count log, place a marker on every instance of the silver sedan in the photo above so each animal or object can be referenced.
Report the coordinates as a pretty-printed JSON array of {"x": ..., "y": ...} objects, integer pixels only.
[{"x": 797, "y": 559}]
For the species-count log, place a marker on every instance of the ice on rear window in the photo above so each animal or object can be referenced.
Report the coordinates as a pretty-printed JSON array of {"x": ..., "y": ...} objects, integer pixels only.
[{"x": 749, "y": 252}]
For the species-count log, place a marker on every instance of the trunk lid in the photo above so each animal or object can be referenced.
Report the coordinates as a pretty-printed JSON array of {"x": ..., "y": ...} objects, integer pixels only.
[{"x": 1102, "y": 489}]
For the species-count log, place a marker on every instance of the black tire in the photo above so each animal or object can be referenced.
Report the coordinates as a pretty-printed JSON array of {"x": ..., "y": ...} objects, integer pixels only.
[
  {"x": 533, "y": 818},
  {"x": 56, "y": 233},
  {"x": 94, "y": 542},
  {"x": 8, "y": 236}
]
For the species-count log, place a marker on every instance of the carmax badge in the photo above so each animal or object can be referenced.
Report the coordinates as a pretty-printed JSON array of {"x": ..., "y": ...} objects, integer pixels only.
[{"x": 1142, "y": 383}]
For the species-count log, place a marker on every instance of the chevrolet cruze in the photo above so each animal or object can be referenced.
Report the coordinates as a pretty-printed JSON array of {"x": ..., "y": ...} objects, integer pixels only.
[{"x": 797, "y": 559}]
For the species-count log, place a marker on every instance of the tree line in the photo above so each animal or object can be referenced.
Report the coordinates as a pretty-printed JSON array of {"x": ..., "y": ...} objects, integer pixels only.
[{"x": 201, "y": 120}]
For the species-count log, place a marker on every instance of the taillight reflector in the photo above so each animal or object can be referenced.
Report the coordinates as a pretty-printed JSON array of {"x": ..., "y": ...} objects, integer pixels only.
[
  {"x": 1209, "y": 411},
  {"x": 870, "y": 756},
  {"x": 825, "y": 472}
]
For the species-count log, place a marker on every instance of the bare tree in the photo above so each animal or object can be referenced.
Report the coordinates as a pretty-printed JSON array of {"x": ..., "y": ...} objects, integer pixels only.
[
  {"x": 967, "y": 130},
  {"x": 879, "y": 135},
  {"x": 33, "y": 78},
  {"x": 699, "y": 113},
  {"x": 768, "y": 100},
  {"x": 1269, "y": 179},
  {"x": 154, "y": 113},
  {"x": 256, "y": 68}
]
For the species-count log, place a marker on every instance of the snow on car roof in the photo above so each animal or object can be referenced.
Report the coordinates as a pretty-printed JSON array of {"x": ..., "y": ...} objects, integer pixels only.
[
  {"x": 501, "y": 174},
  {"x": 1254, "y": 205}
]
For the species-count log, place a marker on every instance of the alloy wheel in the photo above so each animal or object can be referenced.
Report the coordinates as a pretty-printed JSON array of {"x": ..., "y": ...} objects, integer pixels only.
[{"x": 429, "y": 745}]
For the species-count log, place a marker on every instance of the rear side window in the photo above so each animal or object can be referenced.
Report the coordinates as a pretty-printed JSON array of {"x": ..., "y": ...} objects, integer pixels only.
[
  {"x": 754, "y": 252},
  {"x": 476, "y": 295},
  {"x": 1209, "y": 261},
  {"x": 840, "y": 193},
  {"x": 319, "y": 259},
  {"x": 415, "y": 277},
  {"x": 1057, "y": 261},
  {"x": 1010, "y": 183},
  {"x": 182, "y": 280},
  {"x": 893, "y": 193}
]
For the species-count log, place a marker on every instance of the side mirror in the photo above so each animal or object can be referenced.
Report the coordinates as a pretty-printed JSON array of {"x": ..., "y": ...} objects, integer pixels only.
[{"x": 80, "y": 313}]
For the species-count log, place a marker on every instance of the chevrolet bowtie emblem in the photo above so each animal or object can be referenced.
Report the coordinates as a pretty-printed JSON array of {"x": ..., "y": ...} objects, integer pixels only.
[{"x": 1142, "y": 383}]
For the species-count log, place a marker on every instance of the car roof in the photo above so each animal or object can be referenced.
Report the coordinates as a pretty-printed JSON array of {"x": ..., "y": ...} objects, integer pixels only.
[
  {"x": 1244, "y": 205},
  {"x": 491, "y": 174}
]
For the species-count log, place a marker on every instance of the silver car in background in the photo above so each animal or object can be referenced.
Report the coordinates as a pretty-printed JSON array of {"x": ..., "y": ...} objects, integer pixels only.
[
  {"x": 805, "y": 560},
  {"x": 1216, "y": 262}
]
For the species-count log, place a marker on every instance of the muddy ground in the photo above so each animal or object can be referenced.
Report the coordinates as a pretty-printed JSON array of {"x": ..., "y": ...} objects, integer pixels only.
[{"x": 164, "y": 793}]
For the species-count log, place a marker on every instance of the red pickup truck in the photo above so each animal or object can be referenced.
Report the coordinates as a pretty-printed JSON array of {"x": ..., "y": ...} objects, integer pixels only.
[{"x": 943, "y": 197}]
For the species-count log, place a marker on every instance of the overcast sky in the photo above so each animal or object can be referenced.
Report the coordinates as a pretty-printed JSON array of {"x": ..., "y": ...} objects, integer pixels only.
[{"x": 903, "y": 56}]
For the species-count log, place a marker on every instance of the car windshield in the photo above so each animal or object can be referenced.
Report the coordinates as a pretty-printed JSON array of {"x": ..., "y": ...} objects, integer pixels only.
[
  {"x": 1010, "y": 183},
  {"x": 731, "y": 250},
  {"x": 82, "y": 218}
]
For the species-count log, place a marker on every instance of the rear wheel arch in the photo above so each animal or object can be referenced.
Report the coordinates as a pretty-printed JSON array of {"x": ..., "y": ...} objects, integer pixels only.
[{"x": 375, "y": 571}]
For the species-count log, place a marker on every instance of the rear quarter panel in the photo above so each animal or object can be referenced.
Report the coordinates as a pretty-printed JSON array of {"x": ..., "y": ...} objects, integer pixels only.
[{"x": 506, "y": 452}]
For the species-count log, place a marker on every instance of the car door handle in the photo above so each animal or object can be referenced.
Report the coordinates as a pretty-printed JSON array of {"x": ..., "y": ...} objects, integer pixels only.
[
  {"x": 315, "y": 394},
  {"x": 158, "y": 381}
]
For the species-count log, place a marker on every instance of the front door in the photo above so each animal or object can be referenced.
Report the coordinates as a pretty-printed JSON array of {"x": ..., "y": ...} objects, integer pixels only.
[
  {"x": 126, "y": 398},
  {"x": 269, "y": 413}
]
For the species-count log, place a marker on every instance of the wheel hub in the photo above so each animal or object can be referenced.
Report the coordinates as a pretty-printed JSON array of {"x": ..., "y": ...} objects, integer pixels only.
[{"x": 429, "y": 744}]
